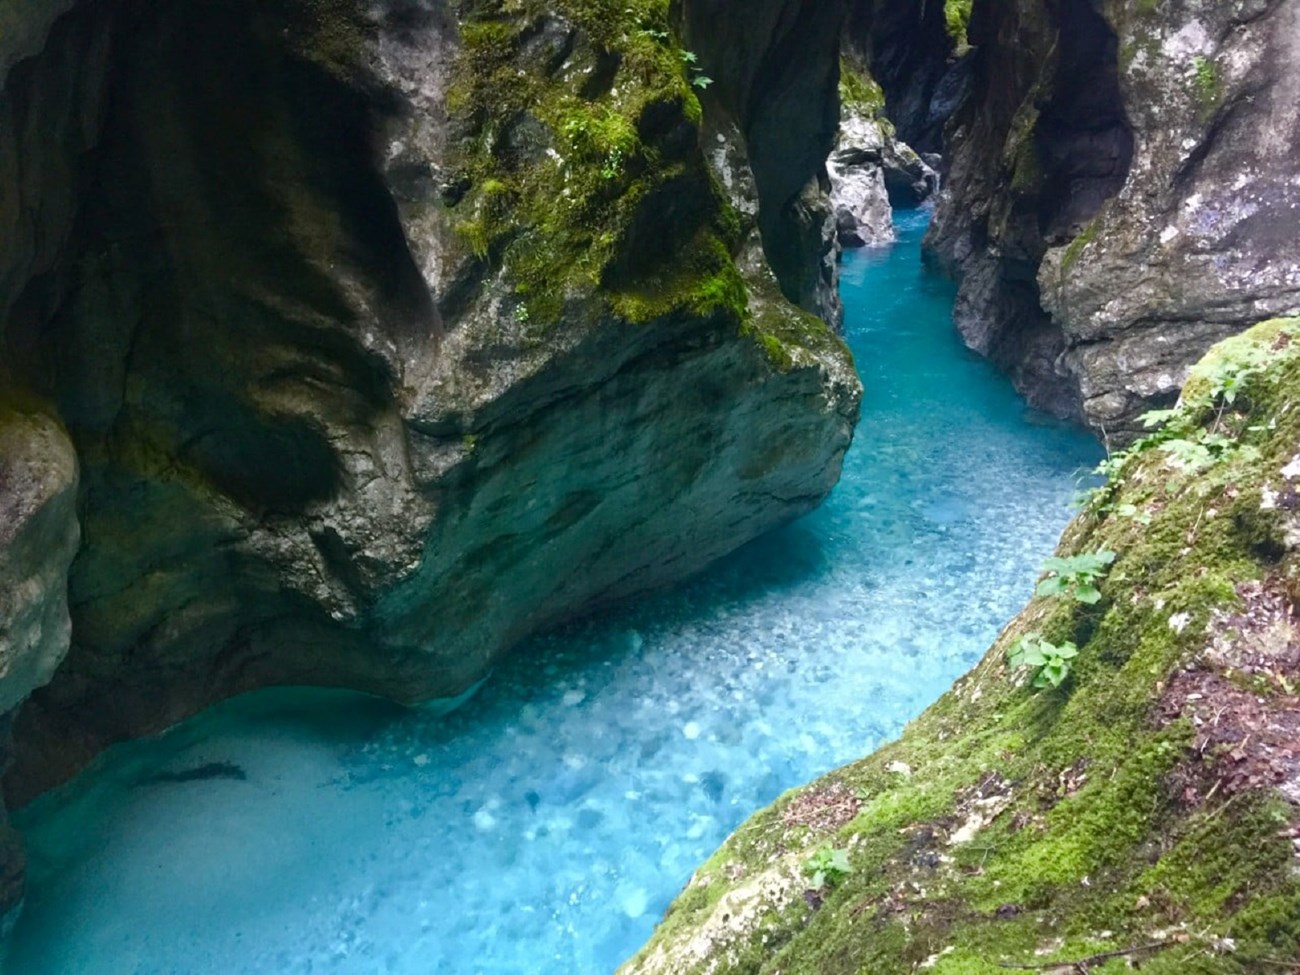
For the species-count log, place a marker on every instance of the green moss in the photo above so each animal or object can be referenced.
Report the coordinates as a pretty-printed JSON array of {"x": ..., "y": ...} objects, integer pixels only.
[
  {"x": 1026, "y": 166},
  {"x": 1014, "y": 826},
  {"x": 1209, "y": 87},
  {"x": 1020, "y": 155},
  {"x": 789, "y": 336},
  {"x": 331, "y": 34},
  {"x": 956, "y": 15},
  {"x": 588, "y": 181},
  {"x": 1075, "y": 250},
  {"x": 859, "y": 92}
]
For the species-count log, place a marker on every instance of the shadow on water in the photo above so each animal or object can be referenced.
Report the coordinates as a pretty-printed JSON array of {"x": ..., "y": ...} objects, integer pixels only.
[{"x": 544, "y": 827}]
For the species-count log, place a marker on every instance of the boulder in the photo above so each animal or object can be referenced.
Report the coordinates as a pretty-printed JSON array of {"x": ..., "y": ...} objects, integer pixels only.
[{"x": 871, "y": 173}]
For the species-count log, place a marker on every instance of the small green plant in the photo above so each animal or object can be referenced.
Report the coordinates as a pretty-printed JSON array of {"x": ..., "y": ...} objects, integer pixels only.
[
  {"x": 827, "y": 867},
  {"x": 1229, "y": 376},
  {"x": 1134, "y": 512},
  {"x": 956, "y": 15},
  {"x": 604, "y": 137},
  {"x": 1051, "y": 662},
  {"x": 1076, "y": 576},
  {"x": 1205, "y": 75},
  {"x": 692, "y": 62}
]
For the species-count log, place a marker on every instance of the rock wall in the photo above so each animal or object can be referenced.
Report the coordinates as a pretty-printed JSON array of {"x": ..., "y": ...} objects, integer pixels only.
[
  {"x": 910, "y": 51},
  {"x": 383, "y": 336},
  {"x": 1121, "y": 177},
  {"x": 774, "y": 72},
  {"x": 1142, "y": 809}
]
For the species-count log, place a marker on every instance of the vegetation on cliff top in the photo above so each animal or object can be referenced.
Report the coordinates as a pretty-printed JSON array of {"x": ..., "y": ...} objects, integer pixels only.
[
  {"x": 581, "y": 174},
  {"x": 1147, "y": 810},
  {"x": 580, "y": 162}
]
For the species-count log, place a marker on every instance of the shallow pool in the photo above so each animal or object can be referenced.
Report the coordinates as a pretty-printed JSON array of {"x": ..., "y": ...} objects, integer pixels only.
[{"x": 544, "y": 827}]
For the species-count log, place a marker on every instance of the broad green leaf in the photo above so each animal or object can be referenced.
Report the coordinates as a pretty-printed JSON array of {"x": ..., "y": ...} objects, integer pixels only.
[
  {"x": 1087, "y": 593},
  {"x": 1052, "y": 586},
  {"x": 1156, "y": 418}
]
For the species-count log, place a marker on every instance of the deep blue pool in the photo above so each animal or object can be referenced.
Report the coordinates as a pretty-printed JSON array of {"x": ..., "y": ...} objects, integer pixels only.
[{"x": 544, "y": 827}]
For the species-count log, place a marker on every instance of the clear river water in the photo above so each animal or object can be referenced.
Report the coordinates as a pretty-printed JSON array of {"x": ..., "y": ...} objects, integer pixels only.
[{"x": 544, "y": 827}]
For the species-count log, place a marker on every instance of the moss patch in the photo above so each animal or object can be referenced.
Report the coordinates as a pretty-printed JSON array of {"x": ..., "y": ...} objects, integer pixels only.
[
  {"x": 1076, "y": 248},
  {"x": 1209, "y": 86},
  {"x": 579, "y": 160},
  {"x": 956, "y": 14},
  {"x": 860, "y": 93},
  {"x": 1014, "y": 826}
]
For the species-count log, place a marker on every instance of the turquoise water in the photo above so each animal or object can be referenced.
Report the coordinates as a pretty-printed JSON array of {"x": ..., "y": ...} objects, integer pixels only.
[{"x": 544, "y": 827}]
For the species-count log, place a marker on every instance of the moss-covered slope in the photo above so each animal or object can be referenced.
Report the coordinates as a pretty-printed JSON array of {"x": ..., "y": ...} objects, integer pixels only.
[{"x": 1145, "y": 812}]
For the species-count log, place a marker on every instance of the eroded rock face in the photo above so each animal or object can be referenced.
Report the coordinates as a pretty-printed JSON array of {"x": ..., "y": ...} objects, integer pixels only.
[
  {"x": 774, "y": 68},
  {"x": 38, "y": 539},
  {"x": 872, "y": 171},
  {"x": 1201, "y": 240},
  {"x": 1121, "y": 179},
  {"x": 908, "y": 50},
  {"x": 350, "y": 407}
]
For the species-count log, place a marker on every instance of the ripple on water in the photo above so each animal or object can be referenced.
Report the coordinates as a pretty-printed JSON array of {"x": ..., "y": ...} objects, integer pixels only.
[{"x": 544, "y": 827}]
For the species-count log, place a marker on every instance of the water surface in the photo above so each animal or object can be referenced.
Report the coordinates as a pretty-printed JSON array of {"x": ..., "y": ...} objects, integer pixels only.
[{"x": 545, "y": 826}]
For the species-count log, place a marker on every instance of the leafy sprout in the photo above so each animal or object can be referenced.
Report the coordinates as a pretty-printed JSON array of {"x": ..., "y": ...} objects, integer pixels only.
[
  {"x": 827, "y": 867},
  {"x": 1052, "y": 663},
  {"x": 1076, "y": 576}
]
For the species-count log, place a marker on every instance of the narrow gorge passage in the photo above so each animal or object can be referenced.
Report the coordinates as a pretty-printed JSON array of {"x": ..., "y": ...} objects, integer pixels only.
[{"x": 544, "y": 827}]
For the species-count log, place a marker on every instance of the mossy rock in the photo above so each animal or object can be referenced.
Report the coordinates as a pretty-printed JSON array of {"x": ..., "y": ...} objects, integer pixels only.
[
  {"x": 860, "y": 94},
  {"x": 579, "y": 128},
  {"x": 1145, "y": 812},
  {"x": 579, "y": 156}
]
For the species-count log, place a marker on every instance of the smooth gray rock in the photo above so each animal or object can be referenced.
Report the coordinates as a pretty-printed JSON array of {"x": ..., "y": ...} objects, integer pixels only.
[
  {"x": 864, "y": 216},
  {"x": 39, "y": 533},
  {"x": 38, "y": 539}
]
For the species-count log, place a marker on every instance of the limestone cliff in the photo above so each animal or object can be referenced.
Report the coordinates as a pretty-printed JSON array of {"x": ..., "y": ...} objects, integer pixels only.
[
  {"x": 914, "y": 51},
  {"x": 1116, "y": 784},
  {"x": 382, "y": 335},
  {"x": 1124, "y": 182}
]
